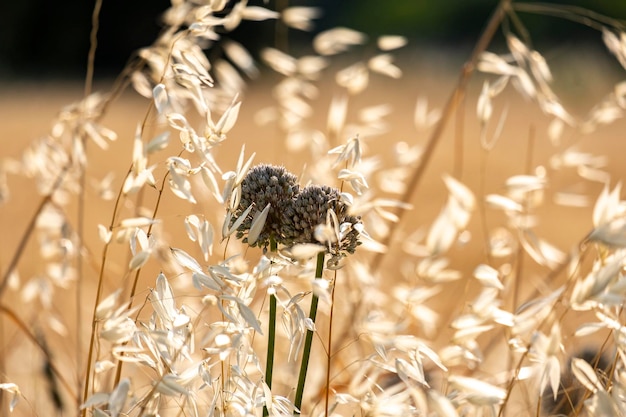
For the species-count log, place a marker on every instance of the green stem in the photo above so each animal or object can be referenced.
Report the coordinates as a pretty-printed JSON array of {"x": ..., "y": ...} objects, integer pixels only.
[
  {"x": 306, "y": 354},
  {"x": 271, "y": 336}
]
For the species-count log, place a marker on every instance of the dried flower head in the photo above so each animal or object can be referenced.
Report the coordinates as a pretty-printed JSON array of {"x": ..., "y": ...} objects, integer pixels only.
[
  {"x": 294, "y": 217},
  {"x": 321, "y": 205},
  {"x": 266, "y": 184}
]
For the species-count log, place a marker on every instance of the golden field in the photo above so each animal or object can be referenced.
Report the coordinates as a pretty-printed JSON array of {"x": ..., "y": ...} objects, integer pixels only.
[{"x": 524, "y": 147}]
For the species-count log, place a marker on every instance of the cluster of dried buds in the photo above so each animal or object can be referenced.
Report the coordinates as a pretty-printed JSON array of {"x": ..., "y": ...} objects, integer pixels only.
[{"x": 272, "y": 205}]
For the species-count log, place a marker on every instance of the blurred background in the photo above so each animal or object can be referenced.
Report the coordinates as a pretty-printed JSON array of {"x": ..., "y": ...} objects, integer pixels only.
[{"x": 41, "y": 39}]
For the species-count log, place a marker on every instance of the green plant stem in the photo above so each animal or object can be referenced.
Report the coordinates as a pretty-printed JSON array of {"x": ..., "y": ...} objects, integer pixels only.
[
  {"x": 271, "y": 336},
  {"x": 306, "y": 353}
]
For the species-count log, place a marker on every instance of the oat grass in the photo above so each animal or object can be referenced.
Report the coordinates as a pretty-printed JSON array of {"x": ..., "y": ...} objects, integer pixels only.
[{"x": 444, "y": 315}]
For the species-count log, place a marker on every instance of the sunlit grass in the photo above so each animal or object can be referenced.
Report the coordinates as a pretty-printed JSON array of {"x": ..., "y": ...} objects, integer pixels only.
[{"x": 374, "y": 260}]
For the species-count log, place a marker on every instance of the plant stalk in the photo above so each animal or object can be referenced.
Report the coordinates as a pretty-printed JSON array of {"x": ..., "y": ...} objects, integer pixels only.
[
  {"x": 91, "y": 59},
  {"x": 306, "y": 353},
  {"x": 330, "y": 345},
  {"x": 271, "y": 336},
  {"x": 23, "y": 327},
  {"x": 30, "y": 228}
]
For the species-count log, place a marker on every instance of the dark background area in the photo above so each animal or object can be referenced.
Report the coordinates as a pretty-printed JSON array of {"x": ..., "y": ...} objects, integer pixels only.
[{"x": 41, "y": 39}]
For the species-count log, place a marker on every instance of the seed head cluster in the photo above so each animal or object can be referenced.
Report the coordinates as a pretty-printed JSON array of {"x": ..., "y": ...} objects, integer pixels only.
[
  {"x": 266, "y": 184},
  {"x": 294, "y": 214},
  {"x": 310, "y": 208}
]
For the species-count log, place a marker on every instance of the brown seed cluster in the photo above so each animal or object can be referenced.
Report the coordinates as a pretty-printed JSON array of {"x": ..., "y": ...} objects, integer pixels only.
[
  {"x": 266, "y": 184},
  {"x": 294, "y": 213},
  {"x": 310, "y": 208}
]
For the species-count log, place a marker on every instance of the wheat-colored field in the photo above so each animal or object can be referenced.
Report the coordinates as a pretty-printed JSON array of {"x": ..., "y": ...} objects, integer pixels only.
[{"x": 29, "y": 109}]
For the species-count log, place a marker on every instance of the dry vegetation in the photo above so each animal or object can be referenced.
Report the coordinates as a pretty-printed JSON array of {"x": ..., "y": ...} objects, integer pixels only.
[{"x": 143, "y": 272}]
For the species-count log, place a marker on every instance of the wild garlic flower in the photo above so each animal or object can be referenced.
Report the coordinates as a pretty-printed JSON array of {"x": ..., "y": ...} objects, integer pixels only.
[
  {"x": 295, "y": 216},
  {"x": 311, "y": 208},
  {"x": 265, "y": 184}
]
